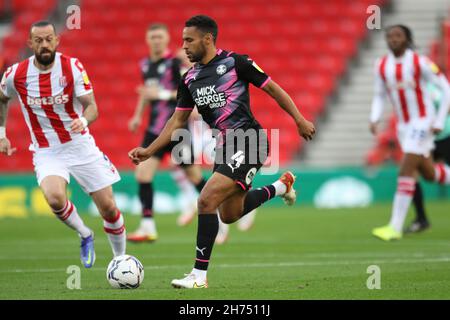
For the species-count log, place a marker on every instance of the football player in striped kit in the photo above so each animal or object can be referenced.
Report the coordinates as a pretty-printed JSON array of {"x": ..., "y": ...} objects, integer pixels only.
[
  {"x": 402, "y": 76},
  {"x": 58, "y": 105}
]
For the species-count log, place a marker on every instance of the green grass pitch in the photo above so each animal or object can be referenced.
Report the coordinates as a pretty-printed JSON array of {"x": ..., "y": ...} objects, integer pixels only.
[{"x": 291, "y": 253}]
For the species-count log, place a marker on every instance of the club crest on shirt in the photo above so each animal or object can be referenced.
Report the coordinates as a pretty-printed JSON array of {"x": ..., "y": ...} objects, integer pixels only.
[
  {"x": 221, "y": 69},
  {"x": 161, "y": 68},
  {"x": 63, "y": 81}
]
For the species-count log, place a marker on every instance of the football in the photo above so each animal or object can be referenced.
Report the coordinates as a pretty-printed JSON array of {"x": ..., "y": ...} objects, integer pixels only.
[{"x": 125, "y": 272}]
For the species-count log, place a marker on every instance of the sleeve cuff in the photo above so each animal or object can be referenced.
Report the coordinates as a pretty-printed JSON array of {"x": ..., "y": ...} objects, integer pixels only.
[
  {"x": 265, "y": 82},
  {"x": 184, "y": 108}
]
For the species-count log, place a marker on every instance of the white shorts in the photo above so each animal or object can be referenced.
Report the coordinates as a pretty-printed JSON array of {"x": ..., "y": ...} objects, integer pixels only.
[
  {"x": 80, "y": 158},
  {"x": 416, "y": 136}
]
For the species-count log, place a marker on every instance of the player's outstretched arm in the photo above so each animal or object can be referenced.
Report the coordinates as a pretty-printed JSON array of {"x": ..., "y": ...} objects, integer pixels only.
[
  {"x": 5, "y": 145},
  {"x": 305, "y": 128},
  {"x": 177, "y": 121},
  {"x": 135, "y": 121},
  {"x": 90, "y": 113}
]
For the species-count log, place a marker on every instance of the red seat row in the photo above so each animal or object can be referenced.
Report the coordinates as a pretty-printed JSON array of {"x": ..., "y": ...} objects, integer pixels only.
[{"x": 303, "y": 45}]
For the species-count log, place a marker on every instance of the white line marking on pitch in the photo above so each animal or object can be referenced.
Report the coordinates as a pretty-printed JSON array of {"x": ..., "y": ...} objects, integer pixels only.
[{"x": 263, "y": 265}]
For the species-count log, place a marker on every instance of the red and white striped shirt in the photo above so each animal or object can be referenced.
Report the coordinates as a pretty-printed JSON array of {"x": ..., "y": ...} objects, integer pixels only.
[
  {"x": 48, "y": 98},
  {"x": 403, "y": 80}
]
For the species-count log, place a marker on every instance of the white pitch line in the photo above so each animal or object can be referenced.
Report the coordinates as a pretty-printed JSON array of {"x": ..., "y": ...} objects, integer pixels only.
[
  {"x": 263, "y": 265},
  {"x": 325, "y": 255}
]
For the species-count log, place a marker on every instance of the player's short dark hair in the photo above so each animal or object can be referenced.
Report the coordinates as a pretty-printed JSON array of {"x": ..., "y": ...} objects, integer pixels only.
[
  {"x": 406, "y": 30},
  {"x": 157, "y": 26},
  {"x": 205, "y": 24},
  {"x": 42, "y": 23}
]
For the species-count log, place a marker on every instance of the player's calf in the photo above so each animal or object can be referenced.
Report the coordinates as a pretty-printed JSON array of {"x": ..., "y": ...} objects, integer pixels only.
[{"x": 69, "y": 216}]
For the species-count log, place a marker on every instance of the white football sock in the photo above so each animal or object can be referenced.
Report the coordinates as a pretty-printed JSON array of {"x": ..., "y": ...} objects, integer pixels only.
[
  {"x": 115, "y": 230},
  {"x": 402, "y": 201},
  {"x": 442, "y": 173},
  {"x": 148, "y": 226},
  {"x": 69, "y": 216},
  {"x": 280, "y": 188}
]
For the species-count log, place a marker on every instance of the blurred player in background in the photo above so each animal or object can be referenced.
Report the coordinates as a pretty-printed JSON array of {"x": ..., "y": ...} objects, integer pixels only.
[
  {"x": 58, "y": 104},
  {"x": 402, "y": 76},
  {"x": 441, "y": 153},
  {"x": 218, "y": 85},
  {"x": 202, "y": 143},
  {"x": 161, "y": 75}
]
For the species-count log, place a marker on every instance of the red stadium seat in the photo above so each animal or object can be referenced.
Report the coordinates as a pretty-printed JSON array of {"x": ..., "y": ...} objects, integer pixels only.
[{"x": 304, "y": 45}]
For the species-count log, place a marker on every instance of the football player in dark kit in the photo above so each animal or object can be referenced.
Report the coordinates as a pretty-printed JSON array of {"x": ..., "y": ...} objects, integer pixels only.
[{"x": 218, "y": 84}]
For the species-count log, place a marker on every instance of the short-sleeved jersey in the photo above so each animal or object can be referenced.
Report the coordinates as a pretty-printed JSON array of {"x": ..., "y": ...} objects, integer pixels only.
[
  {"x": 164, "y": 73},
  {"x": 220, "y": 90},
  {"x": 48, "y": 98},
  {"x": 404, "y": 81}
]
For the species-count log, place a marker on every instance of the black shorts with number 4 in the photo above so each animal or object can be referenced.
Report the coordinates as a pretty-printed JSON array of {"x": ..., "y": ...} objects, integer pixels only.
[
  {"x": 241, "y": 160},
  {"x": 187, "y": 155}
]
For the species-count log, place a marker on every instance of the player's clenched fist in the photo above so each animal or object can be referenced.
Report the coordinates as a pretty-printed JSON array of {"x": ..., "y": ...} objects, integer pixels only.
[
  {"x": 137, "y": 155},
  {"x": 306, "y": 129},
  {"x": 5, "y": 147}
]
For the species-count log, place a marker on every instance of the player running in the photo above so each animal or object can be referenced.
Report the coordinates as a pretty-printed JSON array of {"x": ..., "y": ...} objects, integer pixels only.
[
  {"x": 218, "y": 86},
  {"x": 203, "y": 142},
  {"x": 58, "y": 104},
  {"x": 402, "y": 76},
  {"x": 161, "y": 74}
]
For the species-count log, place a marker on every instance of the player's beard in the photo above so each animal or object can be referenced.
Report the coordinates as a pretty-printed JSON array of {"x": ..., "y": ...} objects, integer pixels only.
[
  {"x": 46, "y": 60},
  {"x": 198, "y": 56}
]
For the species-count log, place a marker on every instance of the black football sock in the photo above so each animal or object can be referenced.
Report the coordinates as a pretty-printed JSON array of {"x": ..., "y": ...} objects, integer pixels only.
[
  {"x": 208, "y": 226},
  {"x": 199, "y": 186},
  {"x": 146, "y": 197},
  {"x": 419, "y": 205},
  {"x": 257, "y": 197}
]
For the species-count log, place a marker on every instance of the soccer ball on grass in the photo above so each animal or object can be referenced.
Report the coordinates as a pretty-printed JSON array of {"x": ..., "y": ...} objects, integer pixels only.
[{"x": 125, "y": 272}]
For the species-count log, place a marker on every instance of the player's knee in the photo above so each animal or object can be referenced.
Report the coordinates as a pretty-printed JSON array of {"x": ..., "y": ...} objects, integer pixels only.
[
  {"x": 108, "y": 209},
  {"x": 56, "y": 199},
  {"x": 193, "y": 175},
  {"x": 143, "y": 178},
  {"x": 206, "y": 204},
  {"x": 428, "y": 174},
  {"x": 228, "y": 218}
]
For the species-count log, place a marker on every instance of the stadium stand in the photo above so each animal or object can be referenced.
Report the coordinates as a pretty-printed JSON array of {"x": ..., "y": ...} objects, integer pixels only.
[
  {"x": 24, "y": 13},
  {"x": 387, "y": 147},
  {"x": 305, "y": 55}
]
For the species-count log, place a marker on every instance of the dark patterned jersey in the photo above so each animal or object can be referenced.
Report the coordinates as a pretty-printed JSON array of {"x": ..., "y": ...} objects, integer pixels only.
[
  {"x": 220, "y": 90},
  {"x": 166, "y": 74}
]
